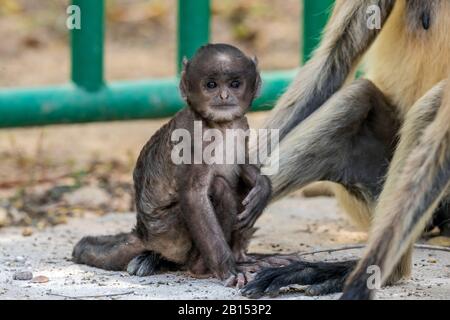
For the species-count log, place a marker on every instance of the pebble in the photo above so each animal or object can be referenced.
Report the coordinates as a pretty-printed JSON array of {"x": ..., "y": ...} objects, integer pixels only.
[
  {"x": 40, "y": 279},
  {"x": 26, "y": 232},
  {"x": 19, "y": 259},
  {"x": 23, "y": 275}
]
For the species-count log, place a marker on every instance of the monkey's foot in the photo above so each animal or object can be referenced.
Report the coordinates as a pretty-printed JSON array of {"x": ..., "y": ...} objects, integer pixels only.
[
  {"x": 144, "y": 264},
  {"x": 321, "y": 278}
]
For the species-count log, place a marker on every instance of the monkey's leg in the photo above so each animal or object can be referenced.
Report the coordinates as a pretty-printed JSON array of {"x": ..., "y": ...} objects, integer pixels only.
[
  {"x": 223, "y": 199},
  {"x": 164, "y": 251},
  {"x": 349, "y": 141},
  {"x": 226, "y": 203},
  {"x": 418, "y": 179},
  {"x": 200, "y": 218},
  {"x": 108, "y": 252}
]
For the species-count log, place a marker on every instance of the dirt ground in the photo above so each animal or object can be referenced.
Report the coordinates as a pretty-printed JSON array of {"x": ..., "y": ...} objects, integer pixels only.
[
  {"x": 291, "y": 225},
  {"x": 140, "y": 43}
]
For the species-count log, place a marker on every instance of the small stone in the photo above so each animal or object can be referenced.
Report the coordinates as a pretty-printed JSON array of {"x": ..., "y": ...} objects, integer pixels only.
[
  {"x": 26, "y": 232},
  {"x": 23, "y": 275},
  {"x": 19, "y": 259},
  {"x": 40, "y": 279}
]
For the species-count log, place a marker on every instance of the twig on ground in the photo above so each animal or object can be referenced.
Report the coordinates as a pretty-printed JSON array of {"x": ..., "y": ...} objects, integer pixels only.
[
  {"x": 93, "y": 296},
  {"x": 417, "y": 246}
]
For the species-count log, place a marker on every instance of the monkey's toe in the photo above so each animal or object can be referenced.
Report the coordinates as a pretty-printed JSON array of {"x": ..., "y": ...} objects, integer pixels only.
[
  {"x": 327, "y": 287},
  {"x": 144, "y": 264},
  {"x": 239, "y": 280},
  {"x": 321, "y": 277}
]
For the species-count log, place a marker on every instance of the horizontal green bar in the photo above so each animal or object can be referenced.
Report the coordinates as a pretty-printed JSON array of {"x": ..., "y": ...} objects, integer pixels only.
[{"x": 117, "y": 101}]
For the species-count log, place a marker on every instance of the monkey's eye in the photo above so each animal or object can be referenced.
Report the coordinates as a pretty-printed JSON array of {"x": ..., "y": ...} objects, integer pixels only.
[
  {"x": 235, "y": 84},
  {"x": 211, "y": 85}
]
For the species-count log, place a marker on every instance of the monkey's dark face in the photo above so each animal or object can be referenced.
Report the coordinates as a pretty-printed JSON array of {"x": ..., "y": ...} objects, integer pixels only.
[{"x": 221, "y": 87}]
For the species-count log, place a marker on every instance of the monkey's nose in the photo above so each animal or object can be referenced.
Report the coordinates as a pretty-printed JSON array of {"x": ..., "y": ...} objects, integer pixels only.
[{"x": 224, "y": 95}]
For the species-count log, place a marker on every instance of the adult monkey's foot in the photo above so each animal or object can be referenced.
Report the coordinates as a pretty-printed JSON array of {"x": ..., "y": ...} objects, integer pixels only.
[{"x": 321, "y": 278}]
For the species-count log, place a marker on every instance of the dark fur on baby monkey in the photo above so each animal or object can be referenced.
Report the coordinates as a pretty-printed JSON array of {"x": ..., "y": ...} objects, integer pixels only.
[{"x": 198, "y": 216}]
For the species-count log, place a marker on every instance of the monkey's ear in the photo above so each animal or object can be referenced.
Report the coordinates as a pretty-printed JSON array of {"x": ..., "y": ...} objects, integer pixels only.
[
  {"x": 184, "y": 63},
  {"x": 258, "y": 85},
  {"x": 255, "y": 61},
  {"x": 183, "y": 86},
  {"x": 258, "y": 78},
  {"x": 183, "y": 82}
]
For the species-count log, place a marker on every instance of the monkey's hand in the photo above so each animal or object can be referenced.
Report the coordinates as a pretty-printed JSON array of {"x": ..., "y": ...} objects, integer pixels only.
[
  {"x": 255, "y": 203},
  {"x": 239, "y": 280}
]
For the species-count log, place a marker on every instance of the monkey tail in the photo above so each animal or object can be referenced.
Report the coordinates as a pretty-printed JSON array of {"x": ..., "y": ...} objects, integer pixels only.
[{"x": 112, "y": 252}]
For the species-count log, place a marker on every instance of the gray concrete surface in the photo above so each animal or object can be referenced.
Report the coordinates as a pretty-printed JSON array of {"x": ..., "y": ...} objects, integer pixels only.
[{"x": 294, "y": 224}]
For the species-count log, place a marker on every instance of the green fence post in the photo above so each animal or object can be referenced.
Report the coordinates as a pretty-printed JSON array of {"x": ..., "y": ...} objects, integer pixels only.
[
  {"x": 315, "y": 17},
  {"x": 193, "y": 27},
  {"x": 87, "y": 45}
]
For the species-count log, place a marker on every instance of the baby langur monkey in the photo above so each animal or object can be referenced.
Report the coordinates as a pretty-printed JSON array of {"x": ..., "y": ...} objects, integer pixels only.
[{"x": 198, "y": 216}]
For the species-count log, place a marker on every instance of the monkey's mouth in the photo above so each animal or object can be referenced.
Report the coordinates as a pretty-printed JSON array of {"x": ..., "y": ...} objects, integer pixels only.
[{"x": 224, "y": 106}]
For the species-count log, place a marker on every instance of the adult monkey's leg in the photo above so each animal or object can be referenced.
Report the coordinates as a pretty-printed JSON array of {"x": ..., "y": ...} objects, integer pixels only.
[
  {"x": 350, "y": 141},
  {"x": 418, "y": 179}
]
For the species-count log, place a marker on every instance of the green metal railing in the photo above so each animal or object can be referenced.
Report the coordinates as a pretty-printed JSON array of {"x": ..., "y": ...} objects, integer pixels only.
[{"x": 88, "y": 98}]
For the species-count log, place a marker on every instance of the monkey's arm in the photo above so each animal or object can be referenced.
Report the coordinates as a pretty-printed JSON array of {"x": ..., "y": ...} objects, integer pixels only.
[
  {"x": 347, "y": 37},
  {"x": 203, "y": 225},
  {"x": 256, "y": 200}
]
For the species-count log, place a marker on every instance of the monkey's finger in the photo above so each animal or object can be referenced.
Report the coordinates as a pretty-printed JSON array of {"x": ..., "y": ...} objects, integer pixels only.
[
  {"x": 231, "y": 282},
  {"x": 327, "y": 287},
  {"x": 240, "y": 281},
  {"x": 251, "y": 195},
  {"x": 251, "y": 209},
  {"x": 244, "y": 222},
  {"x": 243, "y": 218},
  {"x": 249, "y": 220},
  {"x": 244, "y": 214},
  {"x": 247, "y": 223}
]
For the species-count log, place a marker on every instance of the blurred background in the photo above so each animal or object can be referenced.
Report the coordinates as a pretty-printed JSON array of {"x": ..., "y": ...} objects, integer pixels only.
[{"x": 48, "y": 174}]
